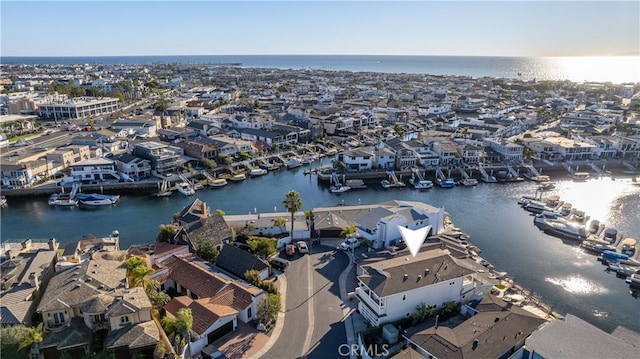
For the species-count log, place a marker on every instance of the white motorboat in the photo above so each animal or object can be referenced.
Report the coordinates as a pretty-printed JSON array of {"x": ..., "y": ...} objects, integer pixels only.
[
  {"x": 580, "y": 176},
  {"x": 339, "y": 188},
  {"x": 218, "y": 182},
  {"x": 308, "y": 159},
  {"x": 62, "y": 199},
  {"x": 469, "y": 182},
  {"x": 563, "y": 229},
  {"x": 185, "y": 189},
  {"x": 238, "y": 178},
  {"x": 294, "y": 162},
  {"x": 257, "y": 172},
  {"x": 421, "y": 184}
]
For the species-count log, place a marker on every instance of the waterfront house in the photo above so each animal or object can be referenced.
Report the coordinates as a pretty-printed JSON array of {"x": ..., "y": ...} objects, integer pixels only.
[
  {"x": 392, "y": 289},
  {"x": 26, "y": 270},
  {"x": 225, "y": 299},
  {"x": 94, "y": 169},
  {"x": 237, "y": 261},
  {"x": 201, "y": 148},
  {"x": 448, "y": 152},
  {"x": 132, "y": 166},
  {"x": 195, "y": 221},
  {"x": 471, "y": 154},
  {"x": 509, "y": 152},
  {"x": 357, "y": 159},
  {"x": 496, "y": 329},
  {"x": 378, "y": 222},
  {"x": 93, "y": 297},
  {"x": 231, "y": 146},
  {"x": 164, "y": 158}
]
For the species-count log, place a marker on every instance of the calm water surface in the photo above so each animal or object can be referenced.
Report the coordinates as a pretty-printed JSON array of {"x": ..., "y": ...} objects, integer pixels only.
[{"x": 561, "y": 273}]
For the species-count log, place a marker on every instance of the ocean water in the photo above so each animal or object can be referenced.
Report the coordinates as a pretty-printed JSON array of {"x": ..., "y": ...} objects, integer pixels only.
[{"x": 621, "y": 69}]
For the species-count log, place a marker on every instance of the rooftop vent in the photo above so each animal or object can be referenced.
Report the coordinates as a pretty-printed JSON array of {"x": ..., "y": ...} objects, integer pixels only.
[
  {"x": 406, "y": 276},
  {"x": 426, "y": 272}
]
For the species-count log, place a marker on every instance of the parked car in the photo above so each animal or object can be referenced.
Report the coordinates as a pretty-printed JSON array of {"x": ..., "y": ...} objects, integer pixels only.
[
  {"x": 278, "y": 263},
  {"x": 302, "y": 247},
  {"x": 350, "y": 243},
  {"x": 290, "y": 249}
]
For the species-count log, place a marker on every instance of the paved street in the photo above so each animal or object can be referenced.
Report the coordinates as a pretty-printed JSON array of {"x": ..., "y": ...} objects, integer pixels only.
[{"x": 313, "y": 326}]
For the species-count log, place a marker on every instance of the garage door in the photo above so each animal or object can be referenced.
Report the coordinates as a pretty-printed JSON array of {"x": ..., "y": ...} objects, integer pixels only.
[{"x": 216, "y": 334}]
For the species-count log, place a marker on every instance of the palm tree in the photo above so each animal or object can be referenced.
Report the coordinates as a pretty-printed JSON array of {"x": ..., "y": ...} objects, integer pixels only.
[{"x": 292, "y": 203}]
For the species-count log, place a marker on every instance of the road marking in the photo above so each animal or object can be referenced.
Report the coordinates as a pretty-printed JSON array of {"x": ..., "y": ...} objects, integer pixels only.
[{"x": 307, "y": 340}]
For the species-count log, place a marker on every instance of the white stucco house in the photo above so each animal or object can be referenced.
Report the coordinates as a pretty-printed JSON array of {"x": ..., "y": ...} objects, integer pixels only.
[{"x": 392, "y": 289}]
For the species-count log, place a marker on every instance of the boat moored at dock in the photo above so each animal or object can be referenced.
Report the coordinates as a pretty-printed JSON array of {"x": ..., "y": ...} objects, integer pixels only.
[
  {"x": 185, "y": 189},
  {"x": 97, "y": 199}
]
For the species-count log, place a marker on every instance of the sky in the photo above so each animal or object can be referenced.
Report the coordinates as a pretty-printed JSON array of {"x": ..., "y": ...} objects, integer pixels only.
[{"x": 457, "y": 28}]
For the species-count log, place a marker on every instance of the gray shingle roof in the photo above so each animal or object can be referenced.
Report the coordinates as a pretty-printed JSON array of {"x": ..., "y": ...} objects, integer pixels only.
[
  {"x": 141, "y": 335},
  {"x": 238, "y": 261}
]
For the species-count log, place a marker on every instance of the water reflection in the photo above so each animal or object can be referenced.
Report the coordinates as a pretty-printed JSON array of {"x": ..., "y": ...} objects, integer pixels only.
[{"x": 578, "y": 285}]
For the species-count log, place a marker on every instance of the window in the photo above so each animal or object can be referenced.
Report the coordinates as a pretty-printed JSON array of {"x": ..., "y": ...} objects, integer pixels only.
[
  {"x": 249, "y": 313},
  {"x": 58, "y": 318},
  {"x": 124, "y": 319},
  {"x": 404, "y": 297}
]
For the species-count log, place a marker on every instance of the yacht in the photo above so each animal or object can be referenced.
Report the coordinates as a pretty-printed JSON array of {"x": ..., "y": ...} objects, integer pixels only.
[
  {"x": 580, "y": 176},
  {"x": 468, "y": 182},
  {"x": 185, "y": 189},
  {"x": 597, "y": 246},
  {"x": 421, "y": 184},
  {"x": 294, "y": 162},
  {"x": 563, "y": 229},
  {"x": 218, "y": 182},
  {"x": 238, "y": 178},
  {"x": 257, "y": 172},
  {"x": 339, "y": 188},
  {"x": 446, "y": 183},
  {"x": 62, "y": 199},
  {"x": 536, "y": 207},
  {"x": 97, "y": 199}
]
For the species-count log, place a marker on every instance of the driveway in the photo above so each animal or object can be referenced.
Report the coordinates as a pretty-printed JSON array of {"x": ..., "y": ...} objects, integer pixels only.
[{"x": 313, "y": 324}]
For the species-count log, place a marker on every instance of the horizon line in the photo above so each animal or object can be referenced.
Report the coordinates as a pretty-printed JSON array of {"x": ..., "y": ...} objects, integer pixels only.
[{"x": 629, "y": 54}]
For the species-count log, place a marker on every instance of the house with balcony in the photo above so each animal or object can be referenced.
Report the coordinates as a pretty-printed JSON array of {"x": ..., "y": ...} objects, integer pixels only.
[
  {"x": 448, "y": 152},
  {"x": 357, "y": 159},
  {"x": 94, "y": 169},
  {"x": 219, "y": 299},
  {"x": 231, "y": 146},
  {"x": 132, "y": 166},
  {"x": 471, "y": 154},
  {"x": 384, "y": 158},
  {"x": 26, "y": 270},
  {"x": 508, "y": 151},
  {"x": 392, "y": 289},
  {"x": 571, "y": 150},
  {"x": 93, "y": 297},
  {"x": 164, "y": 158}
]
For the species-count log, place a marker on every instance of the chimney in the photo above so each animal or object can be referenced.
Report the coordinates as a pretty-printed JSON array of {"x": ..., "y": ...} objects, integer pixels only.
[
  {"x": 10, "y": 254},
  {"x": 33, "y": 279},
  {"x": 437, "y": 316},
  {"x": 53, "y": 244},
  {"x": 26, "y": 244}
]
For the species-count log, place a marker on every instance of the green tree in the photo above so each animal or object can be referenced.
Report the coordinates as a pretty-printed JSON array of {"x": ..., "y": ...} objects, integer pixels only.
[
  {"x": 398, "y": 129},
  {"x": 268, "y": 309},
  {"x": 167, "y": 231},
  {"x": 347, "y": 230},
  {"x": 262, "y": 246},
  {"x": 422, "y": 313},
  {"x": 280, "y": 222},
  {"x": 220, "y": 212},
  {"x": 19, "y": 337},
  {"x": 253, "y": 276},
  {"x": 140, "y": 275},
  {"x": 134, "y": 261},
  {"x": 292, "y": 203},
  {"x": 210, "y": 164},
  {"x": 158, "y": 298},
  {"x": 244, "y": 156},
  {"x": 206, "y": 250},
  {"x": 184, "y": 321}
]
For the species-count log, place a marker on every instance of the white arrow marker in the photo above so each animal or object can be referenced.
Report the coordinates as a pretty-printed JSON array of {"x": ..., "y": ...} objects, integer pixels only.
[{"x": 414, "y": 239}]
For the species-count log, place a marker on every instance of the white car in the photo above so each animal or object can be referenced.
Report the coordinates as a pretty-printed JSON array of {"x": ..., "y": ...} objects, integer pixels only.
[
  {"x": 350, "y": 243},
  {"x": 302, "y": 247}
]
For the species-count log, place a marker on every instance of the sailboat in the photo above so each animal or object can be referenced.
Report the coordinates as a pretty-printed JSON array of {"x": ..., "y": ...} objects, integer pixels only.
[{"x": 164, "y": 189}]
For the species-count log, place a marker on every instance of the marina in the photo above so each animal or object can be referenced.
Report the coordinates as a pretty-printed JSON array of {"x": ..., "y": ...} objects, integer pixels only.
[{"x": 564, "y": 275}]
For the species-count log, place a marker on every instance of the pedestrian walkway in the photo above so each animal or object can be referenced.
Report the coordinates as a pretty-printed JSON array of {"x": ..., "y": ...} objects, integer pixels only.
[{"x": 277, "y": 329}]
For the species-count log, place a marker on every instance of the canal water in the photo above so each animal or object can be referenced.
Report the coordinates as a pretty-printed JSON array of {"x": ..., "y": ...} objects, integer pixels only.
[{"x": 562, "y": 274}]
